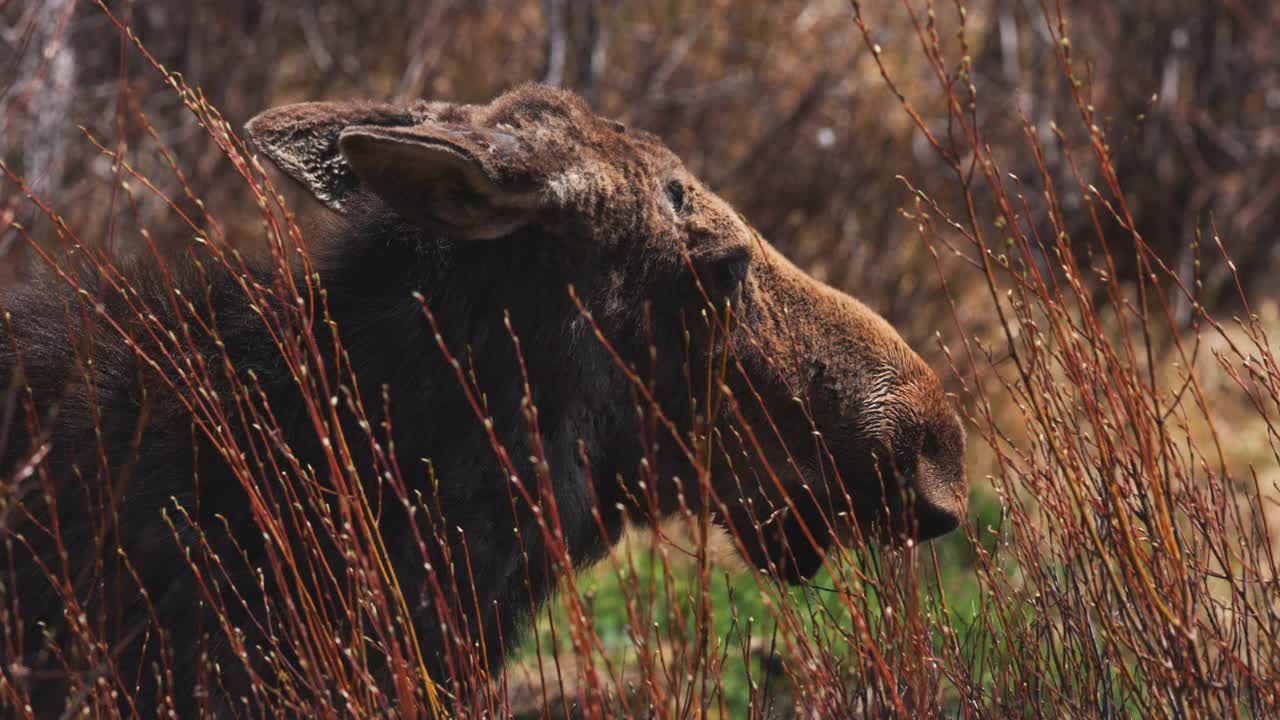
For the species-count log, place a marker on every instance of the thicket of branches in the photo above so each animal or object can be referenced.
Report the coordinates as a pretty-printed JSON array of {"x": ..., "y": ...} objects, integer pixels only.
[
  {"x": 1080, "y": 199},
  {"x": 777, "y": 105}
]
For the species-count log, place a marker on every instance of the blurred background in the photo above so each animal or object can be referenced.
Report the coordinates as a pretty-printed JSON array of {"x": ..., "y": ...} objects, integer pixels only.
[{"x": 779, "y": 106}]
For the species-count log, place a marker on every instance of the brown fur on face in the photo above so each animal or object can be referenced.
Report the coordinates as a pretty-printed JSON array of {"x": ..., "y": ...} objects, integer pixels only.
[{"x": 616, "y": 201}]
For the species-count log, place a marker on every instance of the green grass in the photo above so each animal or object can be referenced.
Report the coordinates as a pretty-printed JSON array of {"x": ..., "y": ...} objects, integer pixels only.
[{"x": 665, "y": 594}]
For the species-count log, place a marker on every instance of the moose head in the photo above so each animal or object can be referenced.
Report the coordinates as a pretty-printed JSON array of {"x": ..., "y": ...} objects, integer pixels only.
[{"x": 821, "y": 422}]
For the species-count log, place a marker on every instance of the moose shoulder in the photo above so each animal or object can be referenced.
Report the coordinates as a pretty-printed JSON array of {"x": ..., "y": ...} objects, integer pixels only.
[{"x": 528, "y": 219}]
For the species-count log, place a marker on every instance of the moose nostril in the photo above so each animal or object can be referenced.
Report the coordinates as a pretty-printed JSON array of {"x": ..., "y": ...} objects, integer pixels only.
[{"x": 930, "y": 446}]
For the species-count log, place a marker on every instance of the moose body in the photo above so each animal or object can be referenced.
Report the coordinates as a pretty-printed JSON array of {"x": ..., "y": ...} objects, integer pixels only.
[{"x": 523, "y": 228}]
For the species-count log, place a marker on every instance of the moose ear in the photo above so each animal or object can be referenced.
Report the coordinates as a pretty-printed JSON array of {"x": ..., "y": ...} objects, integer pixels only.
[
  {"x": 473, "y": 183},
  {"x": 302, "y": 140}
]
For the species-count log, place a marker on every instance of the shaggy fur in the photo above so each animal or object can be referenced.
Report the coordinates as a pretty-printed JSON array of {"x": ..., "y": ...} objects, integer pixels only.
[{"x": 483, "y": 210}]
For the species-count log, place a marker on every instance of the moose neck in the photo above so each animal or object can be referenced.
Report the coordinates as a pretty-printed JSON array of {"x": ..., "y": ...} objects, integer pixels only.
[{"x": 516, "y": 332}]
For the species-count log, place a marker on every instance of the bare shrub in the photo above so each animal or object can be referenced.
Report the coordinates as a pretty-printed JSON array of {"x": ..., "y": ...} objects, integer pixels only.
[{"x": 1093, "y": 259}]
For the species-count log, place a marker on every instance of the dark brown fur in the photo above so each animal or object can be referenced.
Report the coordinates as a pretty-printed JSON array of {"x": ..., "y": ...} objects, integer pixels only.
[{"x": 488, "y": 209}]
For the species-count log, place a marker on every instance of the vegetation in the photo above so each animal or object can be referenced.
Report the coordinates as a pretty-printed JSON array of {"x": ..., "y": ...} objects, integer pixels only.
[{"x": 1070, "y": 208}]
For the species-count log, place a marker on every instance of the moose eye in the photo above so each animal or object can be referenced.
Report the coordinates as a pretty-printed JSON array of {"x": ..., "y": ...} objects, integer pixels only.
[{"x": 676, "y": 194}]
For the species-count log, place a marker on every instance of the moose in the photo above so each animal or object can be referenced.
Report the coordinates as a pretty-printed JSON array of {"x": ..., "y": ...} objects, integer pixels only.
[{"x": 522, "y": 280}]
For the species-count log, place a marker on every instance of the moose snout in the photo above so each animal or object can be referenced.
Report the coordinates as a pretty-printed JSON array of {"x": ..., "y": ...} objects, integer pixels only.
[
  {"x": 922, "y": 474},
  {"x": 937, "y": 491},
  {"x": 937, "y": 507}
]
